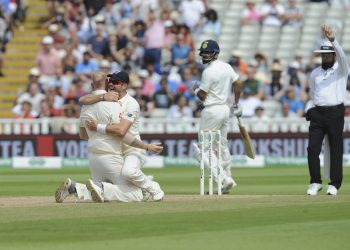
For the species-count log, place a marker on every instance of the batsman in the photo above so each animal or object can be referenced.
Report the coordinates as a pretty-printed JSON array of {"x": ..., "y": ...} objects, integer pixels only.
[{"x": 218, "y": 80}]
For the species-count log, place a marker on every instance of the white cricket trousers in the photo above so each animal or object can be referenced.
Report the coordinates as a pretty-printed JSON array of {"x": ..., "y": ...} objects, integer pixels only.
[
  {"x": 132, "y": 172},
  {"x": 217, "y": 117},
  {"x": 106, "y": 169}
]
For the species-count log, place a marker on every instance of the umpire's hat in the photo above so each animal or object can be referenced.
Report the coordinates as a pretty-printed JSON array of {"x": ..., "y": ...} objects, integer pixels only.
[
  {"x": 209, "y": 46},
  {"x": 119, "y": 76},
  {"x": 326, "y": 47}
]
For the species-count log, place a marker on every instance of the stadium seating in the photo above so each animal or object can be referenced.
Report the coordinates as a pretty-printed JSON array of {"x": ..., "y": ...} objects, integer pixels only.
[{"x": 250, "y": 39}]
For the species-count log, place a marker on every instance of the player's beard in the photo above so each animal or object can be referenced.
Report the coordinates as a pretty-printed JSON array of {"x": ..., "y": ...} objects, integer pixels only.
[
  {"x": 327, "y": 65},
  {"x": 207, "y": 58}
]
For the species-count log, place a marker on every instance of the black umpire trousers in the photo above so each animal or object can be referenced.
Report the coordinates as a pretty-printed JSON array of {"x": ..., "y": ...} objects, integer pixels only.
[{"x": 326, "y": 120}]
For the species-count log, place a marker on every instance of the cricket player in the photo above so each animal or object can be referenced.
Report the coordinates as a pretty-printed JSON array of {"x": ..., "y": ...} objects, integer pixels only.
[
  {"x": 134, "y": 158},
  {"x": 104, "y": 155},
  {"x": 213, "y": 91}
]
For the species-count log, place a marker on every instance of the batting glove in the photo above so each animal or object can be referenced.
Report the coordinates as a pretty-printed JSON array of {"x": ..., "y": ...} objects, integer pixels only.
[{"x": 236, "y": 110}]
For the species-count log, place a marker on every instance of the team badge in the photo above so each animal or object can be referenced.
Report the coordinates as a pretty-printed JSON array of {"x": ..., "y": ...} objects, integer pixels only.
[{"x": 204, "y": 45}]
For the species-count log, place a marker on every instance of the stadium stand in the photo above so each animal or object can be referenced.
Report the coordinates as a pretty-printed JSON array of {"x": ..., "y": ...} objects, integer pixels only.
[{"x": 269, "y": 51}]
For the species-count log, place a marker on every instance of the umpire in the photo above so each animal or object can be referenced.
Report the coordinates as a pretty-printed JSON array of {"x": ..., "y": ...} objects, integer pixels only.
[{"x": 326, "y": 115}]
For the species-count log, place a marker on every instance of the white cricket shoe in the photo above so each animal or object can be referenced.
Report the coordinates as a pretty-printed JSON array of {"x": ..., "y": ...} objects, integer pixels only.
[
  {"x": 314, "y": 188},
  {"x": 156, "y": 192},
  {"x": 96, "y": 191},
  {"x": 62, "y": 191},
  {"x": 332, "y": 190},
  {"x": 145, "y": 194},
  {"x": 227, "y": 185}
]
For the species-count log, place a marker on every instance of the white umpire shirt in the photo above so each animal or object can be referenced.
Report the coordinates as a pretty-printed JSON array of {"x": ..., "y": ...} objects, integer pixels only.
[
  {"x": 106, "y": 113},
  {"x": 217, "y": 79},
  {"x": 328, "y": 87}
]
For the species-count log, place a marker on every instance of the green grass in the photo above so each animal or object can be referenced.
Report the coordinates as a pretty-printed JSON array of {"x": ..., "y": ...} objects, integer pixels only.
[{"x": 267, "y": 210}]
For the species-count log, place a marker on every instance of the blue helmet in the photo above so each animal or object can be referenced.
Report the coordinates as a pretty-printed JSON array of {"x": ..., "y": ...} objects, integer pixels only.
[
  {"x": 209, "y": 51},
  {"x": 209, "y": 46}
]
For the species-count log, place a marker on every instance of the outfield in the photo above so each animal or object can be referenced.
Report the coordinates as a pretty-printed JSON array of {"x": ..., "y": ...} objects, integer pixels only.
[{"x": 268, "y": 210}]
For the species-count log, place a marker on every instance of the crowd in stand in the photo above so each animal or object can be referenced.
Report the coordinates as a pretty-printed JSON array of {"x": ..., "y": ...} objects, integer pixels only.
[
  {"x": 11, "y": 12},
  {"x": 154, "y": 41}
]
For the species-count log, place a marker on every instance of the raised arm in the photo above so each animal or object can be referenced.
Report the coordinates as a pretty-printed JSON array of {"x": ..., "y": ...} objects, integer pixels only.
[
  {"x": 341, "y": 56},
  {"x": 92, "y": 99}
]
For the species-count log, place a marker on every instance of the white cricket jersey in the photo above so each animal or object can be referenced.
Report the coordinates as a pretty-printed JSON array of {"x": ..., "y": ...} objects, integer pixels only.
[
  {"x": 106, "y": 113},
  {"x": 216, "y": 81},
  {"x": 328, "y": 87},
  {"x": 131, "y": 112}
]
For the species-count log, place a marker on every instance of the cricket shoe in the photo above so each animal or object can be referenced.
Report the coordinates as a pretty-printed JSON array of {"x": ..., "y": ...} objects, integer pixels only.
[
  {"x": 145, "y": 194},
  {"x": 227, "y": 185},
  {"x": 332, "y": 190},
  {"x": 156, "y": 192},
  {"x": 96, "y": 191},
  {"x": 64, "y": 190},
  {"x": 314, "y": 188}
]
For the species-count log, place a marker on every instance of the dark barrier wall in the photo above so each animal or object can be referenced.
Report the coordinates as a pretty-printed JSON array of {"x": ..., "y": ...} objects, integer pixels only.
[{"x": 176, "y": 145}]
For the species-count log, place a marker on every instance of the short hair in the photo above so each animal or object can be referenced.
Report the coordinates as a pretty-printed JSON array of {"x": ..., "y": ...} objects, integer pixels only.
[{"x": 98, "y": 79}]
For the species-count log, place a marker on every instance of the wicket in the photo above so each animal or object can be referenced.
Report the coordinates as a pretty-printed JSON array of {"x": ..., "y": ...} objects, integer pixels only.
[{"x": 211, "y": 137}]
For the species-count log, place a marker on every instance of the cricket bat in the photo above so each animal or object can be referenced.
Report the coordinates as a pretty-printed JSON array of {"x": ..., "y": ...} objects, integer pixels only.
[{"x": 246, "y": 140}]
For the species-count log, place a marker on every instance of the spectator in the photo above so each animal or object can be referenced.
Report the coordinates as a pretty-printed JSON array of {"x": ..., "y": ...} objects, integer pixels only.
[
  {"x": 71, "y": 109},
  {"x": 99, "y": 43},
  {"x": 105, "y": 66},
  {"x": 297, "y": 80},
  {"x": 60, "y": 17},
  {"x": 33, "y": 96},
  {"x": 192, "y": 11},
  {"x": 294, "y": 14},
  {"x": 250, "y": 15},
  {"x": 272, "y": 14},
  {"x": 260, "y": 120},
  {"x": 274, "y": 87},
  {"x": 179, "y": 51},
  {"x": 33, "y": 77},
  {"x": 154, "y": 41},
  {"x": 46, "y": 110},
  {"x": 296, "y": 106},
  {"x": 153, "y": 75},
  {"x": 141, "y": 8},
  {"x": 148, "y": 87},
  {"x": 180, "y": 109},
  {"x": 170, "y": 39},
  {"x": 185, "y": 30},
  {"x": 193, "y": 64},
  {"x": 286, "y": 111},
  {"x": 143, "y": 100},
  {"x": 48, "y": 62},
  {"x": 87, "y": 66},
  {"x": 162, "y": 98},
  {"x": 212, "y": 26},
  {"x": 249, "y": 102},
  {"x": 26, "y": 111},
  {"x": 237, "y": 63},
  {"x": 254, "y": 85},
  {"x": 55, "y": 101},
  {"x": 111, "y": 13},
  {"x": 54, "y": 32}
]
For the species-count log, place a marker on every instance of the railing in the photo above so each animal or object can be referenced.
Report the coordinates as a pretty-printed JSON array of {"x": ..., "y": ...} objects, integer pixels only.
[{"x": 61, "y": 125}]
